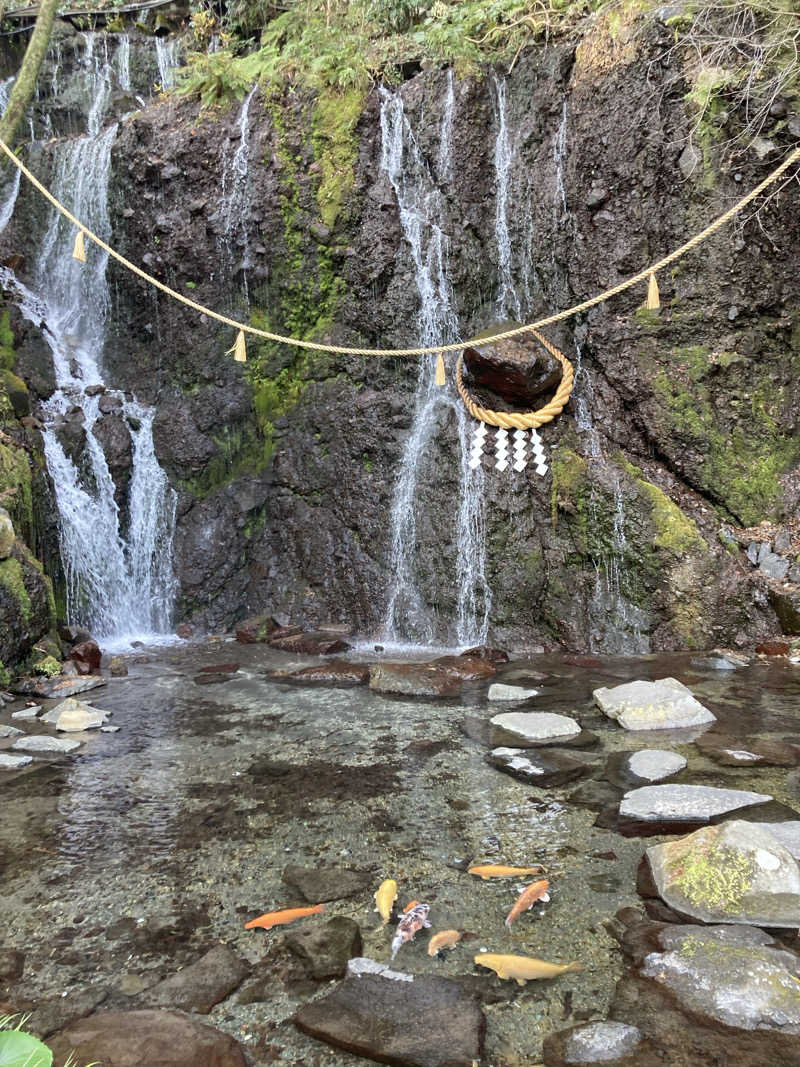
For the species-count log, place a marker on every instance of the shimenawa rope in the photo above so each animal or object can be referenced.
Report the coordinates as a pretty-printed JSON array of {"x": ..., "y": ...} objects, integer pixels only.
[{"x": 315, "y": 346}]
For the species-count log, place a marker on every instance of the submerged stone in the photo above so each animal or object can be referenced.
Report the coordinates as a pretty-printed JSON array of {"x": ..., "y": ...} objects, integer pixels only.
[
  {"x": 202, "y": 984},
  {"x": 428, "y": 1022},
  {"x": 664, "y": 704},
  {"x": 326, "y": 949},
  {"x": 600, "y": 1042},
  {"x": 60, "y": 686},
  {"x": 685, "y": 803},
  {"x": 320, "y": 884},
  {"x": 737, "y": 872},
  {"x": 336, "y": 673},
  {"x": 414, "y": 679}
]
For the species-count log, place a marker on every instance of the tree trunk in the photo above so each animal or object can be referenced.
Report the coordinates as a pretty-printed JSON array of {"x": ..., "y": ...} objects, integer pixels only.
[{"x": 24, "y": 86}]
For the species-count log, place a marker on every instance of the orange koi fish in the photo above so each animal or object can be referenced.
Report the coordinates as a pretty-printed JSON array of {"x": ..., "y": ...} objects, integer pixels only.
[
  {"x": 415, "y": 918},
  {"x": 491, "y": 870},
  {"x": 444, "y": 939},
  {"x": 527, "y": 898},
  {"x": 278, "y": 918}
]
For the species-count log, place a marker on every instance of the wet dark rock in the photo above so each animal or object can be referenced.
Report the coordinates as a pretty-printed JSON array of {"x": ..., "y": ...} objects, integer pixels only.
[
  {"x": 786, "y": 603},
  {"x": 467, "y": 668},
  {"x": 427, "y": 1022},
  {"x": 414, "y": 680},
  {"x": 212, "y": 678},
  {"x": 220, "y": 668},
  {"x": 25, "y": 601},
  {"x": 135, "y": 1038},
  {"x": 309, "y": 644},
  {"x": 326, "y": 949},
  {"x": 335, "y": 673},
  {"x": 59, "y": 686},
  {"x": 115, "y": 440},
  {"x": 185, "y": 631},
  {"x": 256, "y": 630},
  {"x": 202, "y": 984},
  {"x": 546, "y": 767},
  {"x": 12, "y": 963},
  {"x": 517, "y": 370},
  {"x": 596, "y": 796},
  {"x": 734, "y": 752},
  {"x": 493, "y": 655},
  {"x": 773, "y": 648},
  {"x": 318, "y": 885},
  {"x": 73, "y": 635},
  {"x": 774, "y": 566},
  {"x": 58, "y": 1012},
  {"x": 87, "y": 655}
]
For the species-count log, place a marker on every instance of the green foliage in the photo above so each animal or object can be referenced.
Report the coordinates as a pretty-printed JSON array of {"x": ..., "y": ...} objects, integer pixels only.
[
  {"x": 7, "y": 353},
  {"x": 18, "y": 1049},
  {"x": 216, "y": 77},
  {"x": 12, "y": 579}
]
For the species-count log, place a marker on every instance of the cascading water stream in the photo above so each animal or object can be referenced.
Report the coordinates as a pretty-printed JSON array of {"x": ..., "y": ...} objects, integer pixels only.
[
  {"x": 421, "y": 206},
  {"x": 235, "y": 198},
  {"x": 10, "y": 182},
  {"x": 508, "y": 305},
  {"x": 117, "y": 560},
  {"x": 167, "y": 59}
]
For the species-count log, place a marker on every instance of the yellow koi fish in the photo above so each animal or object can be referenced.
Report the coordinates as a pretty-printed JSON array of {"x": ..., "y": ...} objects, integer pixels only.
[
  {"x": 385, "y": 896},
  {"x": 523, "y": 969},
  {"x": 444, "y": 939},
  {"x": 491, "y": 870}
]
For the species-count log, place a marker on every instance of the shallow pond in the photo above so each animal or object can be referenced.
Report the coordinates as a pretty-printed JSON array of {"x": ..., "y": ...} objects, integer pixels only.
[{"x": 123, "y": 863}]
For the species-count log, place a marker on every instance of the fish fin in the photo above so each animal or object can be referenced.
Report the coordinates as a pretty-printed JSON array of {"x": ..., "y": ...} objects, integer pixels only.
[
  {"x": 426, "y": 926},
  {"x": 508, "y": 922},
  {"x": 545, "y": 898},
  {"x": 576, "y": 966},
  {"x": 521, "y": 981}
]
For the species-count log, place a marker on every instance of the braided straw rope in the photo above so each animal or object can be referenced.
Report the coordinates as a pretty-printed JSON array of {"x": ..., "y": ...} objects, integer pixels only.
[
  {"x": 521, "y": 420},
  {"x": 315, "y": 346}
]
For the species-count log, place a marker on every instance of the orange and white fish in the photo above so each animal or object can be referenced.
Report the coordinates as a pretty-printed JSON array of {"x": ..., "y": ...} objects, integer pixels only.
[
  {"x": 527, "y": 898},
  {"x": 384, "y": 897},
  {"x": 444, "y": 939},
  {"x": 411, "y": 921},
  {"x": 278, "y": 918},
  {"x": 491, "y": 870},
  {"x": 523, "y": 969}
]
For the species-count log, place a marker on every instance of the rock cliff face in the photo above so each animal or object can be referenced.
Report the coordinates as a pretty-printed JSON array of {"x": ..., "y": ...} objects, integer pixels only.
[{"x": 683, "y": 425}]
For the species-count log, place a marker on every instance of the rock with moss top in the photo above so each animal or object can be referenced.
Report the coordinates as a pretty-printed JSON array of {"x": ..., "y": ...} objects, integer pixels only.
[
  {"x": 6, "y": 534},
  {"x": 735, "y": 873}
]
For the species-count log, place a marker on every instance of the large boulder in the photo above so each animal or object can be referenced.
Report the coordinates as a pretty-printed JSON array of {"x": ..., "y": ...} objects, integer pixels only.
[
  {"x": 425, "y": 1022},
  {"x": 736, "y": 872},
  {"x": 664, "y": 704},
  {"x": 202, "y": 984},
  {"x": 518, "y": 370}
]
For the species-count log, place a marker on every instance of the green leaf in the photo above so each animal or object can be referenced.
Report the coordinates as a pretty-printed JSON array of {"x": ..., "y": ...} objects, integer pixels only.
[{"x": 18, "y": 1049}]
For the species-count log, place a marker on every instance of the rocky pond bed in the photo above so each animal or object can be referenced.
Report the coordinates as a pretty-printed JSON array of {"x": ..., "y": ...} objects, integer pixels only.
[{"x": 246, "y": 778}]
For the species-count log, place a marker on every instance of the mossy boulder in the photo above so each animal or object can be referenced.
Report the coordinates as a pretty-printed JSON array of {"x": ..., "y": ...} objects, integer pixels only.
[
  {"x": 7, "y": 535},
  {"x": 17, "y": 392},
  {"x": 735, "y": 873},
  {"x": 27, "y": 609}
]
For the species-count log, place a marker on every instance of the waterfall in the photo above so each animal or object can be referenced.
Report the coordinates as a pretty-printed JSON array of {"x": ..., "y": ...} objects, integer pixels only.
[
  {"x": 444, "y": 164},
  {"x": 421, "y": 208},
  {"x": 117, "y": 562},
  {"x": 508, "y": 305},
  {"x": 559, "y": 156},
  {"x": 234, "y": 194},
  {"x": 166, "y": 57},
  {"x": 10, "y": 182}
]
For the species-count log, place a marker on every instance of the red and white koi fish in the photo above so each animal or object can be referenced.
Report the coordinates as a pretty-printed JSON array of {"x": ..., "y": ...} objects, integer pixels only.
[{"x": 412, "y": 920}]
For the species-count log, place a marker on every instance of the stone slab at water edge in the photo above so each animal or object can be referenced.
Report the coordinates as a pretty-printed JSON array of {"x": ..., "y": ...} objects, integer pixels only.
[
  {"x": 735, "y": 873},
  {"x": 685, "y": 803},
  {"x": 40, "y": 743},
  {"x": 13, "y": 763},
  {"x": 536, "y": 725},
  {"x": 660, "y": 705},
  {"x": 500, "y": 691}
]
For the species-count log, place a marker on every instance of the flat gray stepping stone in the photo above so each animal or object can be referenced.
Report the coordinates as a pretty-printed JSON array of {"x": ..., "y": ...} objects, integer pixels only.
[
  {"x": 600, "y": 1042},
  {"x": 13, "y": 763},
  {"x": 9, "y": 731},
  {"x": 685, "y": 803},
  {"x": 46, "y": 744},
  {"x": 501, "y": 691},
  {"x": 27, "y": 713},
  {"x": 536, "y": 725},
  {"x": 654, "y": 764},
  {"x": 665, "y": 704}
]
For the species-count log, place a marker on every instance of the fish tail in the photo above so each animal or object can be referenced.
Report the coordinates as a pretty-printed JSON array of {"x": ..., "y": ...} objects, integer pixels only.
[
  {"x": 396, "y": 943},
  {"x": 509, "y": 921},
  {"x": 574, "y": 966}
]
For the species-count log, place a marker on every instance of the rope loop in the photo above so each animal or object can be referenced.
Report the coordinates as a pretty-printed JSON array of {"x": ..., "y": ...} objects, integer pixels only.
[{"x": 521, "y": 420}]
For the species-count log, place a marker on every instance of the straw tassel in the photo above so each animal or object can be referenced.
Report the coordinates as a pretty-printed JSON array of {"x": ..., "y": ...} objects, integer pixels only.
[
  {"x": 79, "y": 252},
  {"x": 653, "y": 300},
  {"x": 239, "y": 349},
  {"x": 440, "y": 375}
]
